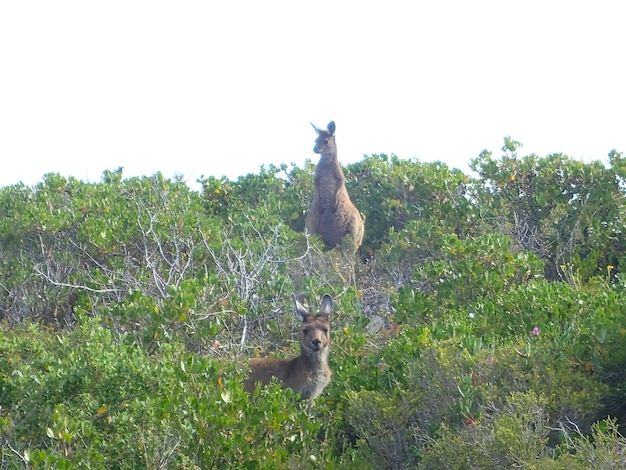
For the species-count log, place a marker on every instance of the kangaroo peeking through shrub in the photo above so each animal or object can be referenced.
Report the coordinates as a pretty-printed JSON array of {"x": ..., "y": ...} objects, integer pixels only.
[
  {"x": 332, "y": 215},
  {"x": 308, "y": 374}
]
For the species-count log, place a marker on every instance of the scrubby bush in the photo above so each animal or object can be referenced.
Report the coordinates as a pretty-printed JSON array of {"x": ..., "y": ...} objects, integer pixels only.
[
  {"x": 85, "y": 400},
  {"x": 481, "y": 327}
]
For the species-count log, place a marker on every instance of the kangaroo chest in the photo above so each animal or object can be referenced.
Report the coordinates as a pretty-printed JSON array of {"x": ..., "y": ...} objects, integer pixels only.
[
  {"x": 314, "y": 384},
  {"x": 329, "y": 183}
]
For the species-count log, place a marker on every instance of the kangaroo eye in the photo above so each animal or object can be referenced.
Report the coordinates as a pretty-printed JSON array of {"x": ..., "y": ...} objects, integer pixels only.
[
  {"x": 325, "y": 330},
  {"x": 305, "y": 331}
]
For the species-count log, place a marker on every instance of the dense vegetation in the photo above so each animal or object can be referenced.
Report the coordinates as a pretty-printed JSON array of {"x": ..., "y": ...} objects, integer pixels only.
[{"x": 482, "y": 325}]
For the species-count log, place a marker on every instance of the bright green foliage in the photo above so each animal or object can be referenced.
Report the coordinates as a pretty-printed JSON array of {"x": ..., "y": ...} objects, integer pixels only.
[
  {"x": 273, "y": 196},
  {"x": 485, "y": 329},
  {"x": 476, "y": 267},
  {"x": 565, "y": 211},
  {"x": 391, "y": 192},
  {"x": 97, "y": 242},
  {"x": 84, "y": 399}
]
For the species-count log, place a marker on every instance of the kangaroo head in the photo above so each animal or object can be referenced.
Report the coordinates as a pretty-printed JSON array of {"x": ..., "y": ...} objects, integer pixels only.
[
  {"x": 315, "y": 331},
  {"x": 325, "y": 142}
]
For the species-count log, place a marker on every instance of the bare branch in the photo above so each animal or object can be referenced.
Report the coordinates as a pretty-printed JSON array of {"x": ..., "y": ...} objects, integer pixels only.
[{"x": 74, "y": 286}]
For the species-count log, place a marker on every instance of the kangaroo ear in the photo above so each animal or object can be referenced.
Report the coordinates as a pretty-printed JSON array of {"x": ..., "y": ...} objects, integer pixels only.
[
  {"x": 331, "y": 127},
  {"x": 301, "y": 311},
  {"x": 316, "y": 129},
  {"x": 326, "y": 308}
]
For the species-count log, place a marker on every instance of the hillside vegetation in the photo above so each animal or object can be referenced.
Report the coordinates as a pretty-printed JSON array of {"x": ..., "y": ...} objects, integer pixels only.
[{"x": 482, "y": 323}]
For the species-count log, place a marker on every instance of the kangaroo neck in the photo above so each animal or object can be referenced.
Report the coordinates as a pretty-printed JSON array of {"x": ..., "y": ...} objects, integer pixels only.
[
  {"x": 317, "y": 359},
  {"x": 329, "y": 156}
]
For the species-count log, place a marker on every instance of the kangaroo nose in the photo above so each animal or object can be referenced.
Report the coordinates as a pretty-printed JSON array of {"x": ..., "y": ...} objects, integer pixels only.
[{"x": 317, "y": 343}]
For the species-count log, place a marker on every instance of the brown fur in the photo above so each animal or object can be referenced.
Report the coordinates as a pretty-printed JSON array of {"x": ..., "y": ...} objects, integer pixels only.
[
  {"x": 308, "y": 374},
  {"x": 332, "y": 215}
]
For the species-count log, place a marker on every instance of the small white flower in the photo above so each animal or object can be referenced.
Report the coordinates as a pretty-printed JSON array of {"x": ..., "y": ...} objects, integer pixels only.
[{"x": 471, "y": 315}]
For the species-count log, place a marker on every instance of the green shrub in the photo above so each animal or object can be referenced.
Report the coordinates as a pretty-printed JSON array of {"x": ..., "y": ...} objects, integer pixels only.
[
  {"x": 127, "y": 308},
  {"x": 86, "y": 400},
  {"x": 513, "y": 436}
]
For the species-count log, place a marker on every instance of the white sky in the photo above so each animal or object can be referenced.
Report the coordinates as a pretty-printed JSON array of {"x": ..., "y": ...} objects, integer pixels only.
[{"x": 220, "y": 88}]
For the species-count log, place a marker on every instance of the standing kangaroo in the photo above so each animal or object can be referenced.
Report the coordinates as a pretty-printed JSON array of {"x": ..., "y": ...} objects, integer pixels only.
[
  {"x": 332, "y": 215},
  {"x": 308, "y": 374}
]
